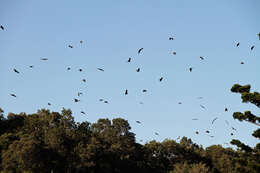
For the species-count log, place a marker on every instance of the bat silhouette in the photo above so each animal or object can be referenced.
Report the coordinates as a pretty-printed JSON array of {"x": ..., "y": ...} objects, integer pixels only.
[
  {"x": 16, "y": 71},
  {"x": 140, "y": 50}
]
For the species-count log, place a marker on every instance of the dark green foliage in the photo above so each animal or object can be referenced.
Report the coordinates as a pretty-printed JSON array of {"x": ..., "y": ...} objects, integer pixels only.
[
  {"x": 257, "y": 133},
  {"x": 1, "y": 114},
  {"x": 53, "y": 142},
  {"x": 246, "y": 95},
  {"x": 241, "y": 145},
  {"x": 240, "y": 89},
  {"x": 190, "y": 168},
  {"x": 247, "y": 116},
  {"x": 249, "y": 160}
]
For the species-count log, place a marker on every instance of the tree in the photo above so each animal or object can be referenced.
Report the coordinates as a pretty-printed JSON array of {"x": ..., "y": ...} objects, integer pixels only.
[
  {"x": 1, "y": 114},
  {"x": 53, "y": 142},
  {"x": 1, "y": 120},
  {"x": 249, "y": 156},
  {"x": 190, "y": 168},
  {"x": 221, "y": 158},
  {"x": 246, "y": 97}
]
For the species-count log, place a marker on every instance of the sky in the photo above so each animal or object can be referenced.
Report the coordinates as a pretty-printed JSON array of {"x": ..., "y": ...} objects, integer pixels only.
[{"x": 112, "y": 32}]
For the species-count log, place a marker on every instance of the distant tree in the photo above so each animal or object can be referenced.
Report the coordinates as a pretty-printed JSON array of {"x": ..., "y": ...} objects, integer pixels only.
[
  {"x": 221, "y": 158},
  {"x": 1, "y": 121},
  {"x": 1, "y": 114},
  {"x": 163, "y": 156},
  {"x": 246, "y": 97},
  {"x": 191, "y": 168},
  {"x": 249, "y": 156},
  {"x": 53, "y": 142}
]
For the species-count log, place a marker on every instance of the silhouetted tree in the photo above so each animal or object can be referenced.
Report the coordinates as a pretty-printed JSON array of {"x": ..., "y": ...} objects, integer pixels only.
[{"x": 248, "y": 156}]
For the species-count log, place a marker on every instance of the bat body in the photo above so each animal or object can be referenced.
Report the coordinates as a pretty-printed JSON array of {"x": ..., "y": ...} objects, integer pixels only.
[
  {"x": 140, "y": 50},
  {"x": 16, "y": 71},
  {"x": 100, "y": 69},
  {"x": 13, "y": 95},
  {"x": 214, "y": 120}
]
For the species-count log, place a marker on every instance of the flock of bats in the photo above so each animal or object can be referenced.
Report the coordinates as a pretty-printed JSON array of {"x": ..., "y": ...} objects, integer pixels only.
[{"x": 144, "y": 90}]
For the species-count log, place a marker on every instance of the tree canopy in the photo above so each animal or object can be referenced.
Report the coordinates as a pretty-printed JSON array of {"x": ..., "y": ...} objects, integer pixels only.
[{"x": 53, "y": 142}]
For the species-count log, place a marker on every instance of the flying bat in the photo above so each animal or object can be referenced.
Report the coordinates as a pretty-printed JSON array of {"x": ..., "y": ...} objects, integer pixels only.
[
  {"x": 100, "y": 69},
  {"x": 13, "y": 95},
  {"x": 202, "y": 106},
  {"x": 2, "y": 27},
  {"x": 252, "y": 47},
  {"x": 138, "y": 70},
  {"x": 144, "y": 90},
  {"x": 70, "y": 46},
  {"x": 16, "y": 71},
  {"x": 174, "y": 53},
  {"x": 202, "y": 58},
  {"x": 44, "y": 59},
  {"x": 126, "y": 92},
  {"x": 140, "y": 50},
  {"x": 161, "y": 79},
  {"x": 83, "y": 112},
  {"x": 171, "y": 38},
  {"x": 76, "y": 100},
  {"x": 214, "y": 120},
  {"x": 129, "y": 60},
  {"x": 156, "y": 133},
  {"x": 238, "y": 44},
  {"x": 49, "y": 104},
  {"x": 138, "y": 122}
]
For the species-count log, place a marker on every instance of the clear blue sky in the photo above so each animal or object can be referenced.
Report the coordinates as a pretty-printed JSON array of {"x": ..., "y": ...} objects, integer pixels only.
[{"x": 112, "y": 32}]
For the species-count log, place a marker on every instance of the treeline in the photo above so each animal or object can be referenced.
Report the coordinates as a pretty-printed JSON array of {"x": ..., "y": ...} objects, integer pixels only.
[{"x": 53, "y": 142}]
